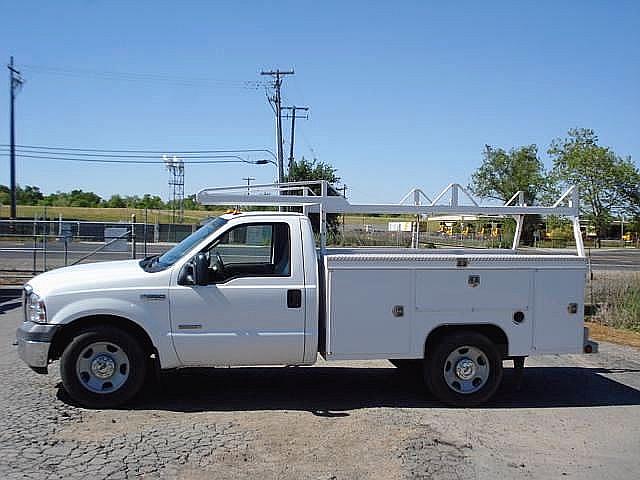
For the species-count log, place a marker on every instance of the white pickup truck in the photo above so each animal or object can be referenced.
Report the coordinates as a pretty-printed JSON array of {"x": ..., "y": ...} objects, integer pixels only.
[{"x": 253, "y": 289}]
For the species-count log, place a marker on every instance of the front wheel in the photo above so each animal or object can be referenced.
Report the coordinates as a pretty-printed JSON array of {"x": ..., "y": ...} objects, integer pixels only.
[
  {"x": 464, "y": 369},
  {"x": 103, "y": 367}
]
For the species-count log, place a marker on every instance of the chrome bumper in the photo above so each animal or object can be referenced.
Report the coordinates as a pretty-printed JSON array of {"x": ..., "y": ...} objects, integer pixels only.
[{"x": 34, "y": 340}]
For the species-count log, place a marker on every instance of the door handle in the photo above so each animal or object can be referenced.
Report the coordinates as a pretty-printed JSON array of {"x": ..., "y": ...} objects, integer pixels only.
[{"x": 294, "y": 298}]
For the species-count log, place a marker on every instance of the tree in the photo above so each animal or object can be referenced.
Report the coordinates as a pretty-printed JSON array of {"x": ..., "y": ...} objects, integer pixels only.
[
  {"x": 79, "y": 198},
  {"x": 503, "y": 173},
  {"x": 150, "y": 201},
  {"x": 305, "y": 170},
  {"x": 115, "y": 201},
  {"x": 5, "y": 195},
  {"x": 609, "y": 185},
  {"x": 29, "y": 195}
]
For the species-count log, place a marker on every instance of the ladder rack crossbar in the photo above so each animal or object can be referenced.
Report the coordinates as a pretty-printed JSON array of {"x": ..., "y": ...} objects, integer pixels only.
[
  {"x": 319, "y": 197},
  {"x": 281, "y": 195}
]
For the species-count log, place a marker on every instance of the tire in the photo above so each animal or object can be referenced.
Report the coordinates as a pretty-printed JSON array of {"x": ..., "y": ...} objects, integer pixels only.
[
  {"x": 103, "y": 367},
  {"x": 464, "y": 369}
]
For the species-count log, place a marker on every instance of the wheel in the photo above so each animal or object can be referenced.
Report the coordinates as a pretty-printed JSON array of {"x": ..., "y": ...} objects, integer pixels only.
[
  {"x": 464, "y": 369},
  {"x": 103, "y": 367}
]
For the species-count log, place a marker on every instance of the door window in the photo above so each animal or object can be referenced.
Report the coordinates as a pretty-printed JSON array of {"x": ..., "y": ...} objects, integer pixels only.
[{"x": 257, "y": 249}]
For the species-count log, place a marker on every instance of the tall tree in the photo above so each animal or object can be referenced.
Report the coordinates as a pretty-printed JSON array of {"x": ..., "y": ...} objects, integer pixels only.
[
  {"x": 503, "y": 173},
  {"x": 609, "y": 185}
]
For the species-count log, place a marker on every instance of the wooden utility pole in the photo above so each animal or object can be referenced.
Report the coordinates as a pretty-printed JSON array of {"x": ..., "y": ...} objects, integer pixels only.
[
  {"x": 249, "y": 180},
  {"x": 15, "y": 82},
  {"x": 293, "y": 128},
  {"x": 276, "y": 100}
]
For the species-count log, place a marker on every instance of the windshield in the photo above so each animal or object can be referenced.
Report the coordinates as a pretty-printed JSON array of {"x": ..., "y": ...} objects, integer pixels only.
[{"x": 170, "y": 257}]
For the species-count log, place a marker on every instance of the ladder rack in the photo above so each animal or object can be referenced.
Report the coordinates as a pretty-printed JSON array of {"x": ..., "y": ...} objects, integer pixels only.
[{"x": 320, "y": 197}]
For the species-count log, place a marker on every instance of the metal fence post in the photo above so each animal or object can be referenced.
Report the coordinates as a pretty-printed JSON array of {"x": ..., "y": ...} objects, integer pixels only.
[
  {"x": 145, "y": 231},
  {"x": 44, "y": 245},
  {"x": 35, "y": 243},
  {"x": 133, "y": 235}
]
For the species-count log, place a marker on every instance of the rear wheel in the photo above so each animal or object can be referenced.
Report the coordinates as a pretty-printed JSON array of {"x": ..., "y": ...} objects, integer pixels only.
[
  {"x": 464, "y": 369},
  {"x": 103, "y": 367}
]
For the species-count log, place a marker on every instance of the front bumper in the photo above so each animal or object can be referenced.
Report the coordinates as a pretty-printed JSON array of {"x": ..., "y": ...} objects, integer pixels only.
[{"x": 34, "y": 341}]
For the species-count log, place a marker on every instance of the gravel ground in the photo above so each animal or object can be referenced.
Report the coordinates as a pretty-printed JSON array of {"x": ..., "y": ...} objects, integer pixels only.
[{"x": 574, "y": 417}]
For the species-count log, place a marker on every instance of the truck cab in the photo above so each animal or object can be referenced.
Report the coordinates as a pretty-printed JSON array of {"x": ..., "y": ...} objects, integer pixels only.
[{"x": 236, "y": 292}]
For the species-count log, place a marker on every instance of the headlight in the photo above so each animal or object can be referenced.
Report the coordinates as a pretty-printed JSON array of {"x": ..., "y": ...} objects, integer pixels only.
[{"x": 36, "y": 311}]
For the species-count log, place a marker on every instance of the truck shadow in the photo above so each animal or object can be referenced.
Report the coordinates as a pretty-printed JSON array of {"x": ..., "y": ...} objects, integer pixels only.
[
  {"x": 10, "y": 298},
  {"x": 334, "y": 391}
]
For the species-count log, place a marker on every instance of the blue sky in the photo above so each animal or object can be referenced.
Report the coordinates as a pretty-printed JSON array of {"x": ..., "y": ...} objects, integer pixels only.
[{"x": 402, "y": 94}]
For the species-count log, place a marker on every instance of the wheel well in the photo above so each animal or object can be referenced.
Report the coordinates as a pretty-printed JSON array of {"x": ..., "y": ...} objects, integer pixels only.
[
  {"x": 492, "y": 332},
  {"x": 65, "y": 335}
]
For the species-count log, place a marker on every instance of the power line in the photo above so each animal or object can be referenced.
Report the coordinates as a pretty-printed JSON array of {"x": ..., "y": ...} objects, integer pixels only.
[
  {"x": 61, "y": 150},
  {"x": 144, "y": 77},
  {"x": 140, "y": 162},
  {"x": 100, "y": 155}
]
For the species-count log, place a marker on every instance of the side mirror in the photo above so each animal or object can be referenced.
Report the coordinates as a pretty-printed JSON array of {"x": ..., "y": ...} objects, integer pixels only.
[
  {"x": 201, "y": 269},
  {"x": 185, "y": 277}
]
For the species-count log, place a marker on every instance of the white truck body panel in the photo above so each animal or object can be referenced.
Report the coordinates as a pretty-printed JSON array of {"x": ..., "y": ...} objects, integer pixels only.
[
  {"x": 347, "y": 302},
  {"x": 120, "y": 289},
  {"x": 244, "y": 321},
  {"x": 363, "y": 289}
]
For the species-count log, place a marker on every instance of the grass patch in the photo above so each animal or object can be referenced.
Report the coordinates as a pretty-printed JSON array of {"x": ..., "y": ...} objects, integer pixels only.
[{"x": 618, "y": 296}]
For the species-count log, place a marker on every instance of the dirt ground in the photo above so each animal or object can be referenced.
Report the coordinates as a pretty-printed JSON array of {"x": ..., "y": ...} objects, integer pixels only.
[{"x": 603, "y": 333}]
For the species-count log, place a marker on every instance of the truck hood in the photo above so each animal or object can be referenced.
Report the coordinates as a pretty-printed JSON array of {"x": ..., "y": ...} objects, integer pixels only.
[{"x": 93, "y": 276}]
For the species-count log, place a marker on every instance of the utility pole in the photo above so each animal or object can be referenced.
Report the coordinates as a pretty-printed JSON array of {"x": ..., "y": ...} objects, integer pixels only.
[
  {"x": 249, "y": 180},
  {"x": 344, "y": 194},
  {"x": 15, "y": 82},
  {"x": 293, "y": 128},
  {"x": 277, "y": 103}
]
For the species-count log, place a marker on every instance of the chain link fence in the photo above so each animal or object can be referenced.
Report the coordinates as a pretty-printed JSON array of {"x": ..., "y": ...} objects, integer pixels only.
[{"x": 29, "y": 247}]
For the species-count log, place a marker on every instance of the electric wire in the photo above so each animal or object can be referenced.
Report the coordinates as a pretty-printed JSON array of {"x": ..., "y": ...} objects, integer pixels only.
[
  {"x": 144, "y": 77},
  {"x": 137, "y": 162},
  {"x": 82, "y": 151}
]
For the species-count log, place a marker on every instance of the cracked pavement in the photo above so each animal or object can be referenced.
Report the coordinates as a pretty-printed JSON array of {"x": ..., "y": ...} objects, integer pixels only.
[{"x": 575, "y": 416}]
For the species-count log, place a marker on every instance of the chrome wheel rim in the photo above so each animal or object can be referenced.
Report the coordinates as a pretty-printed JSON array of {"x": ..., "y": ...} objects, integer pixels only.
[
  {"x": 102, "y": 367},
  {"x": 466, "y": 369}
]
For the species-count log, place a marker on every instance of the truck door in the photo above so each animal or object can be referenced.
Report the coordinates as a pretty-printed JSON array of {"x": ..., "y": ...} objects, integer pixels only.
[{"x": 252, "y": 311}]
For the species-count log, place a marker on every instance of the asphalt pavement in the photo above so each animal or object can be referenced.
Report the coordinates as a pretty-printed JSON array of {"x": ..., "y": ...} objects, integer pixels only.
[{"x": 575, "y": 416}]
